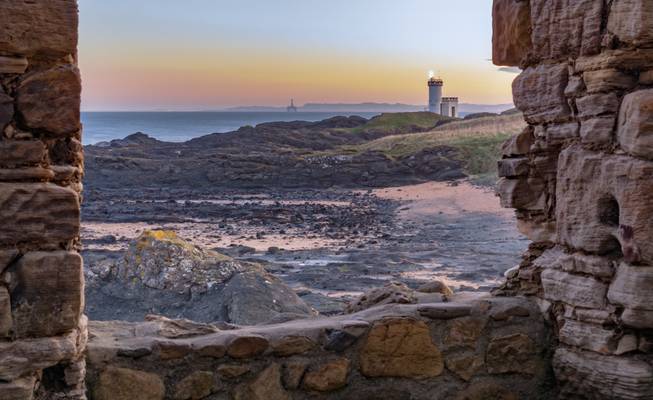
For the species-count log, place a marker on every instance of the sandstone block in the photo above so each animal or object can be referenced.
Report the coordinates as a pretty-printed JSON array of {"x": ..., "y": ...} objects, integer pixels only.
[
  {"x": 50, "y": 100},
  {"x": 636, "y": 318},
  {"x": 195, "y": 386},
  {"x": 39, "y": 28},
  {"x": 266, "y": 386},
  {"x": 599, "y": 267},
  {"x": 172, "y": 350},
  {"x": 633, "y": 289},
  {"x": 522, "y": 193},
  {"x": 513, "y": 167},
  {"x": 46, "y": 293},
  {"x": 605, "y": 377},
  {"x": 328, "y": 377},
  {"x": 13, "y": 65},
  {"x": 15, "y": 153},
  {"x": 632, "y": 21},
  {"x": 511, "y": 354},
  {"x": 598, "y": 131},
  {"x": 625, "y": 59},
  {"x": 558, "y": 133},
  {"x": 20, "y": 389},
  {"x": 293, "y": 372},
  {"x": 518, "y": 145},
  {"x": 247, "y": 346},
  {"x": 486, "y": 390},
  {"x": 646, "y": 77},
  {"x": 588, "y": 336},
  {"x": 607, "y": 80},
  {"x": 128, "y": 384},
  {"x": 575, "y": 87},
  {"x": 445, "y": 311},
  {"x": 635, "y": 127},
  {"x": 511, "y": 37},
  {"x": 5, "y": 312},
  {"x": 291, "y": 345},
  {"x": 539, "y": 92},
  {"x": 34, "y": 174},
  {"x": 30, "y": 355},
  {"x": 232, "y": 371},
  {"x": 573, "y": 289},
  {"x": 563, "y": 28},
  {"x": 400, "y": 347},
  {"x": 38, "y": 212},
  {"x": 464, "y": 332},
  {"x": 597, "y": 104}
]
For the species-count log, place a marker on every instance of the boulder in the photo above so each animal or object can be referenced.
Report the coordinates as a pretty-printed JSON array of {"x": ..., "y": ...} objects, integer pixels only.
[
  {"x": 391, "y": 293},
  {"x": 49, "y": 100},
  {"x": 400, "y": 347},
  {"x": 632, "y": 22},
  {"x": 436, "y": 287}
]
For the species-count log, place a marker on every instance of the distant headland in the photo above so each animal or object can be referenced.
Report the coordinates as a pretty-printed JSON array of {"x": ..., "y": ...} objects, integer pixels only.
[{"x": 465, "y": 108}]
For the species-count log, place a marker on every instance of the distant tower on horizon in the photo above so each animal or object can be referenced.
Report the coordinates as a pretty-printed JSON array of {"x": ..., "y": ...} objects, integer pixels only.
[
  {"x": 291, "y": 107},
  {"x": 446, "y": 106}
]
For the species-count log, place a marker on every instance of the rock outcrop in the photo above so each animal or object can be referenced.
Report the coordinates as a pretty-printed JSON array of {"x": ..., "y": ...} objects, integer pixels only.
[
  {"x": 163, "y": 274},
  {"x": 581, "y": 179}
]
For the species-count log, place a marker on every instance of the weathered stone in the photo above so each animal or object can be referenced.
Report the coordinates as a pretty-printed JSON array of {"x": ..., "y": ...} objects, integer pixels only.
[
  {"x": 539, "y": 92},
  {"x": 486, "y": 391},
  {"x": 588, "y": 336},
  {"x": 505, "y": 313},
  {"x": 436, "y": 286},
  {"x": 6, "y": 110},
  {"x": 46, "y": 293},
  {"x": 400, "y": 347},
  {"x": 195, "y": 386},
  {"x": 445, "y": 311},
  {"x": 213, "y": 350},
  {"x": 573, "y": 289},
  {"x": 598, "y": 317},
  {"x": 511, "y": 38},
  {"x": 636, "y": 318},
  {"x": 635, "y": 127},
  {"x": 632, "y": 21},
  {"x": 587, "y": 264},
  {"x": 291, "y": 345},
  {"x": 247, "y": 346},
  {"x": 605, "y": 377},
  {"x": 608, "y": 80},
  {"x": 26, "y": 174},
  {"x": 338, "y": 340},
  {"x": 390, "y": 293},
  {"x": 625, "y": 59},
  {"x": 575, "y": 87},
  {"x": 39, "y": 28},
  {"x": 597, "y": 104},
  {"x": 20, "y": 389},
  {"x": 522, "y": 193},
  {"x": 511, "y": 354},
  {"x": 232, "y": 371},
  {"x": 558, "y": 133},
  {"x": 464, "y": 332},
  {"x": 5, "y": 312},
  {"x": 13, "y": 65},
  {"x": 26, "y": 356},
  {"x": 646, "y": 77},
  {"x": 465, "y": 366},
  {"x": 328, "y": 377},
  {"x": 631, "y": 288},
  {"x": 520, "y": 144},
  {"x": 266, "y": 386},
  {"x": 293, "y": 372},
  {"x": 598, "y": 131},
  {"x": 513, "y": 167},
  {"x": 14, "y": 153},
  {"x": 38, "y": 212},
  {"x": 171, "y": 350},
  {"x": 128, "y": 384},
  {"x": 49, "y": 100},
  {"x": 627, "y": 344}
]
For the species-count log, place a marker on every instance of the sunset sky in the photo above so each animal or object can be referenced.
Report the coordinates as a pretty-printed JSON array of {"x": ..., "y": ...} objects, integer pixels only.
[{"x": 212, "y": 54}]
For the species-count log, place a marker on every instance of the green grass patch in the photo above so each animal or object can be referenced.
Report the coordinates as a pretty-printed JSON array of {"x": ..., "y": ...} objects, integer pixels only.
[{"x": 403, "y": 122}]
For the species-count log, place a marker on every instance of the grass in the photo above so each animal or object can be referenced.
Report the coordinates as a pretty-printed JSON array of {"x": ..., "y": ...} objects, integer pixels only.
[{"x": 402, "y": 122}]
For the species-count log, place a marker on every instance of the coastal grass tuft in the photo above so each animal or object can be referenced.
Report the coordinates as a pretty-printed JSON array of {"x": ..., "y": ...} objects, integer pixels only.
[{"x": 403, "y": 122}]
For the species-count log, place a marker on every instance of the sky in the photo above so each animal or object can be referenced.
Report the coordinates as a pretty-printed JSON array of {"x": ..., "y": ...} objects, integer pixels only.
[{"x": 213, "y": 54}]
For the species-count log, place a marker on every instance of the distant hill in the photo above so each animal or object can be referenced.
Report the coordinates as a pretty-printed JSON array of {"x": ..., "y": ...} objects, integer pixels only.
[{"x": 465, "y": 108}]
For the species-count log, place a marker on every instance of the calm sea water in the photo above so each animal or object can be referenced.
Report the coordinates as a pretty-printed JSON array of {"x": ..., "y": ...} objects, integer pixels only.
[{"x": 182, "y": 126}]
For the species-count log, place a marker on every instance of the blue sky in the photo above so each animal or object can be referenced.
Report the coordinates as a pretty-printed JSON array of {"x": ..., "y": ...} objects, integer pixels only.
[{"x": 200, "y": 53}]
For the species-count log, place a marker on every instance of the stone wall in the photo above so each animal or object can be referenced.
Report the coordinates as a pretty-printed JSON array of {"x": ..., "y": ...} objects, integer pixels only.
[
  {"x": 42, "y": 329},
  {"x": 581, "y": 179},
  {"x": 488, "y": 348}
]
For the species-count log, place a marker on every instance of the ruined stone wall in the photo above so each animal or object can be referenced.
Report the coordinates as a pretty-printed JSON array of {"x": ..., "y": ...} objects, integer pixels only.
[
  {"x": 42, "y": 330},
  {"x": 491, "y": 348},
  {"x": 581, "y": 179}
]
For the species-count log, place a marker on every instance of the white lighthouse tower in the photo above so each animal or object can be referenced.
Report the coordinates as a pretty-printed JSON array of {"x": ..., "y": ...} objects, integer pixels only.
[{"x": 435, "y": 94}]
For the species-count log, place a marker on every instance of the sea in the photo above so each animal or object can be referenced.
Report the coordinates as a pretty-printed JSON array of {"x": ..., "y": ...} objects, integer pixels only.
[{"x": 182, "y": 126}]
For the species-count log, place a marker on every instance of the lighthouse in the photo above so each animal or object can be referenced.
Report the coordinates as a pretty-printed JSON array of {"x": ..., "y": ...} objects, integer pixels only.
[{"x": 435, "y": 94}]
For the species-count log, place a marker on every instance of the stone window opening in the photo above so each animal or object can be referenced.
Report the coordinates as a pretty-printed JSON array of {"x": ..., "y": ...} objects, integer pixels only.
[{"x": 609, "y": 212}]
